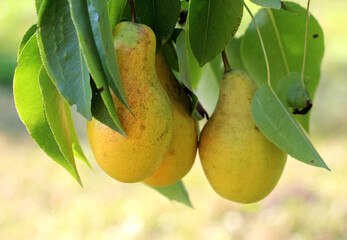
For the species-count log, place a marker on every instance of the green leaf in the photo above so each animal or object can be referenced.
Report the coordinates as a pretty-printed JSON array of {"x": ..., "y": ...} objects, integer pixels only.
[
  {"x": 190, "y": 72},
  {"x": 80, "y": 16},
  {"x": 116, "y": 8},
  {"x": 283, "y": 35},
  {"x": 233, "y": 51},
  {"x": 104, "y": 41},
  {"x": 61, "y": 55},
  {"x": 170, "y": 54},
  {"x": 99, "y": 109},
  {"x": 56, "y": 117},
  {"x": 161, "y": 16},
  {"x": 76, "y": 146},
  {"x": 29, "y": 33},
  {"x": 30, "y": 106},
  {"x": 38, "y": 4},
  {"x": 212, "y": 24},
  {"x": 276, "y": 4},
  {"x": 175, "y": 192},
  {"x": 280, "y": 127}
]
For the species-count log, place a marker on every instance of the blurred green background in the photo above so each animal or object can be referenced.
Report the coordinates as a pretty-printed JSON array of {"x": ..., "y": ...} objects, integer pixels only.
[{"x": 39, "y": 200}]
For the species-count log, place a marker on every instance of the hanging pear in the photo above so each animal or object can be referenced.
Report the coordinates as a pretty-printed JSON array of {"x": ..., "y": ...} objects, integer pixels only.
[
  {"x": 149, "y": 130},
  {"x": 240, "y": 163},
  {"x": 180, "y": 157}
]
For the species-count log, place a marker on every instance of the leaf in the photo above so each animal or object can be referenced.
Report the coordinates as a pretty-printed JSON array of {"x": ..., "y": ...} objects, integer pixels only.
[
  {"x": 80, "y": 16},
  {"x": 38, "y": 4},
  {"x": 276, "y": 4},
  {"x": 29, "y": 33},
  {"x": 212, "y": 24},
  {"x": 190, "y": 72},
  {"x": 99, "y": 109},
  {"x": 61, "y": 55},
  {"x": 104, "y": 41},
  {"x": 280, "y": 127},
  {"x": 170, "y": 54},
  {"x": 161, "y": 16},
  {"x": 56, "y": 117},
  {"x": 233, "y": 51},
  {"x": 76, "y": 146},
  {"x": 283, "y": 35},
  {"x": 175, "y": 192},
  {"x": 116, "y": 8},
  {"x": 30, "y": 106}
]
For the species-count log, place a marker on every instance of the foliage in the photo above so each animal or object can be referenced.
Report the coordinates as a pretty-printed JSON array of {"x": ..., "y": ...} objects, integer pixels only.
[{"x": 73, "y": 41}]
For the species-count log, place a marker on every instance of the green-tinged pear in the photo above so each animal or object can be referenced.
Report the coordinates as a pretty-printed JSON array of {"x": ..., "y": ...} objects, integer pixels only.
[{"x": 240, "y": 163}]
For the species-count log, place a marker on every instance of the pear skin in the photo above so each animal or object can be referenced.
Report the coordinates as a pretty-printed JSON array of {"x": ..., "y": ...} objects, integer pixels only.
[
  {"x": 180, "y": 157},
  {"x": 149, "y": 131},
  {"x": 240, "y": 163}
]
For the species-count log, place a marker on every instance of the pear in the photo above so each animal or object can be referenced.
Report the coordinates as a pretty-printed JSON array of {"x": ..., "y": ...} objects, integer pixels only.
[
  {"x": 149, "y": 130},
  {"x": 240, "y": 163},
  {"x": 182, "y": 151}
]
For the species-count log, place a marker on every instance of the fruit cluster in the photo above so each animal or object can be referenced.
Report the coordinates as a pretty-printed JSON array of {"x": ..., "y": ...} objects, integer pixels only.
[{"x": 162, "y": 137}]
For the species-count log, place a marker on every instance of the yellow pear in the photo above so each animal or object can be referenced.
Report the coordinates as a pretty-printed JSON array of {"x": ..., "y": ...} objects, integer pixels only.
[
  {"x": 149, "y": 131},
  {"x": 180, "y": 157},
  {"x": 240, "y": 163}
]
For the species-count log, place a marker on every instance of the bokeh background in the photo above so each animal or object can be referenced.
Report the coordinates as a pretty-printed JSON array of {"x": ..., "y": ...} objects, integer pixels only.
[{"x": 39, "y": 199}]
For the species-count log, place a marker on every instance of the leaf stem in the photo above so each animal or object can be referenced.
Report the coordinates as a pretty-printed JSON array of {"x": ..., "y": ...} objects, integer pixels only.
[
  {"x": 262, "y": 45},
  {"x": 226, "y": 64},
  {"x": 305, "y": 44},
  {"x": 133, "y": 12}
]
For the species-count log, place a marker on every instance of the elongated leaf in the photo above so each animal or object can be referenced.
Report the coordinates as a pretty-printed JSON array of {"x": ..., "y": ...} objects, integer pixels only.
[
  {"x": 76, "y": 146},
  {"x": 30, "y": 106},
  {"x": 175, "y": 192},
  {"x": 190, "y": 71},
  {"x": 80, "y": 16},
  {"x": 98, "y": 13},
  {"x": 29, "y": 33},
  {"x": 38, "y": 4},
  {"x": 61, "y": 55},
  {"x": 99, "y": 109},
  {"x": 280, "y": 127},
  {"x": 54, "y": 108},
  {"x": 116, "y": 8},
  {"x": 276, "y": 4},
  {"x": 233, "y": 51},
  {"x": 283, "y": 35},
  {"x": 212, "y": 24},
  {"x": 161, "y": 16},
  {"x": 170, "y": 54}
]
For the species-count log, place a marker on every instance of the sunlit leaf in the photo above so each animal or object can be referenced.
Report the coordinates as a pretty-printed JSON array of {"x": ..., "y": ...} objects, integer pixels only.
[
  {"x": 283, "y": 34},
  {"x": 30, "y": 105},
  {"x": 280, "y": 127},
  {"x": 175, "y": 192},
  {"x": 276, "y": 4}
]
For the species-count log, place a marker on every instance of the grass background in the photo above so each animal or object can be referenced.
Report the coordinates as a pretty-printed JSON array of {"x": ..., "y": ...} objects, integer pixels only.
[{"x": 39, "y": 200}]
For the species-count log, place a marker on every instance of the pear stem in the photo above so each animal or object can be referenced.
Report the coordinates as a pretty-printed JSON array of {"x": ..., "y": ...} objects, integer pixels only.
[
  {"x": 227, "y": 67},
  {"x": 305, "y": 44},
  {"x": 133, "y": 12}
]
